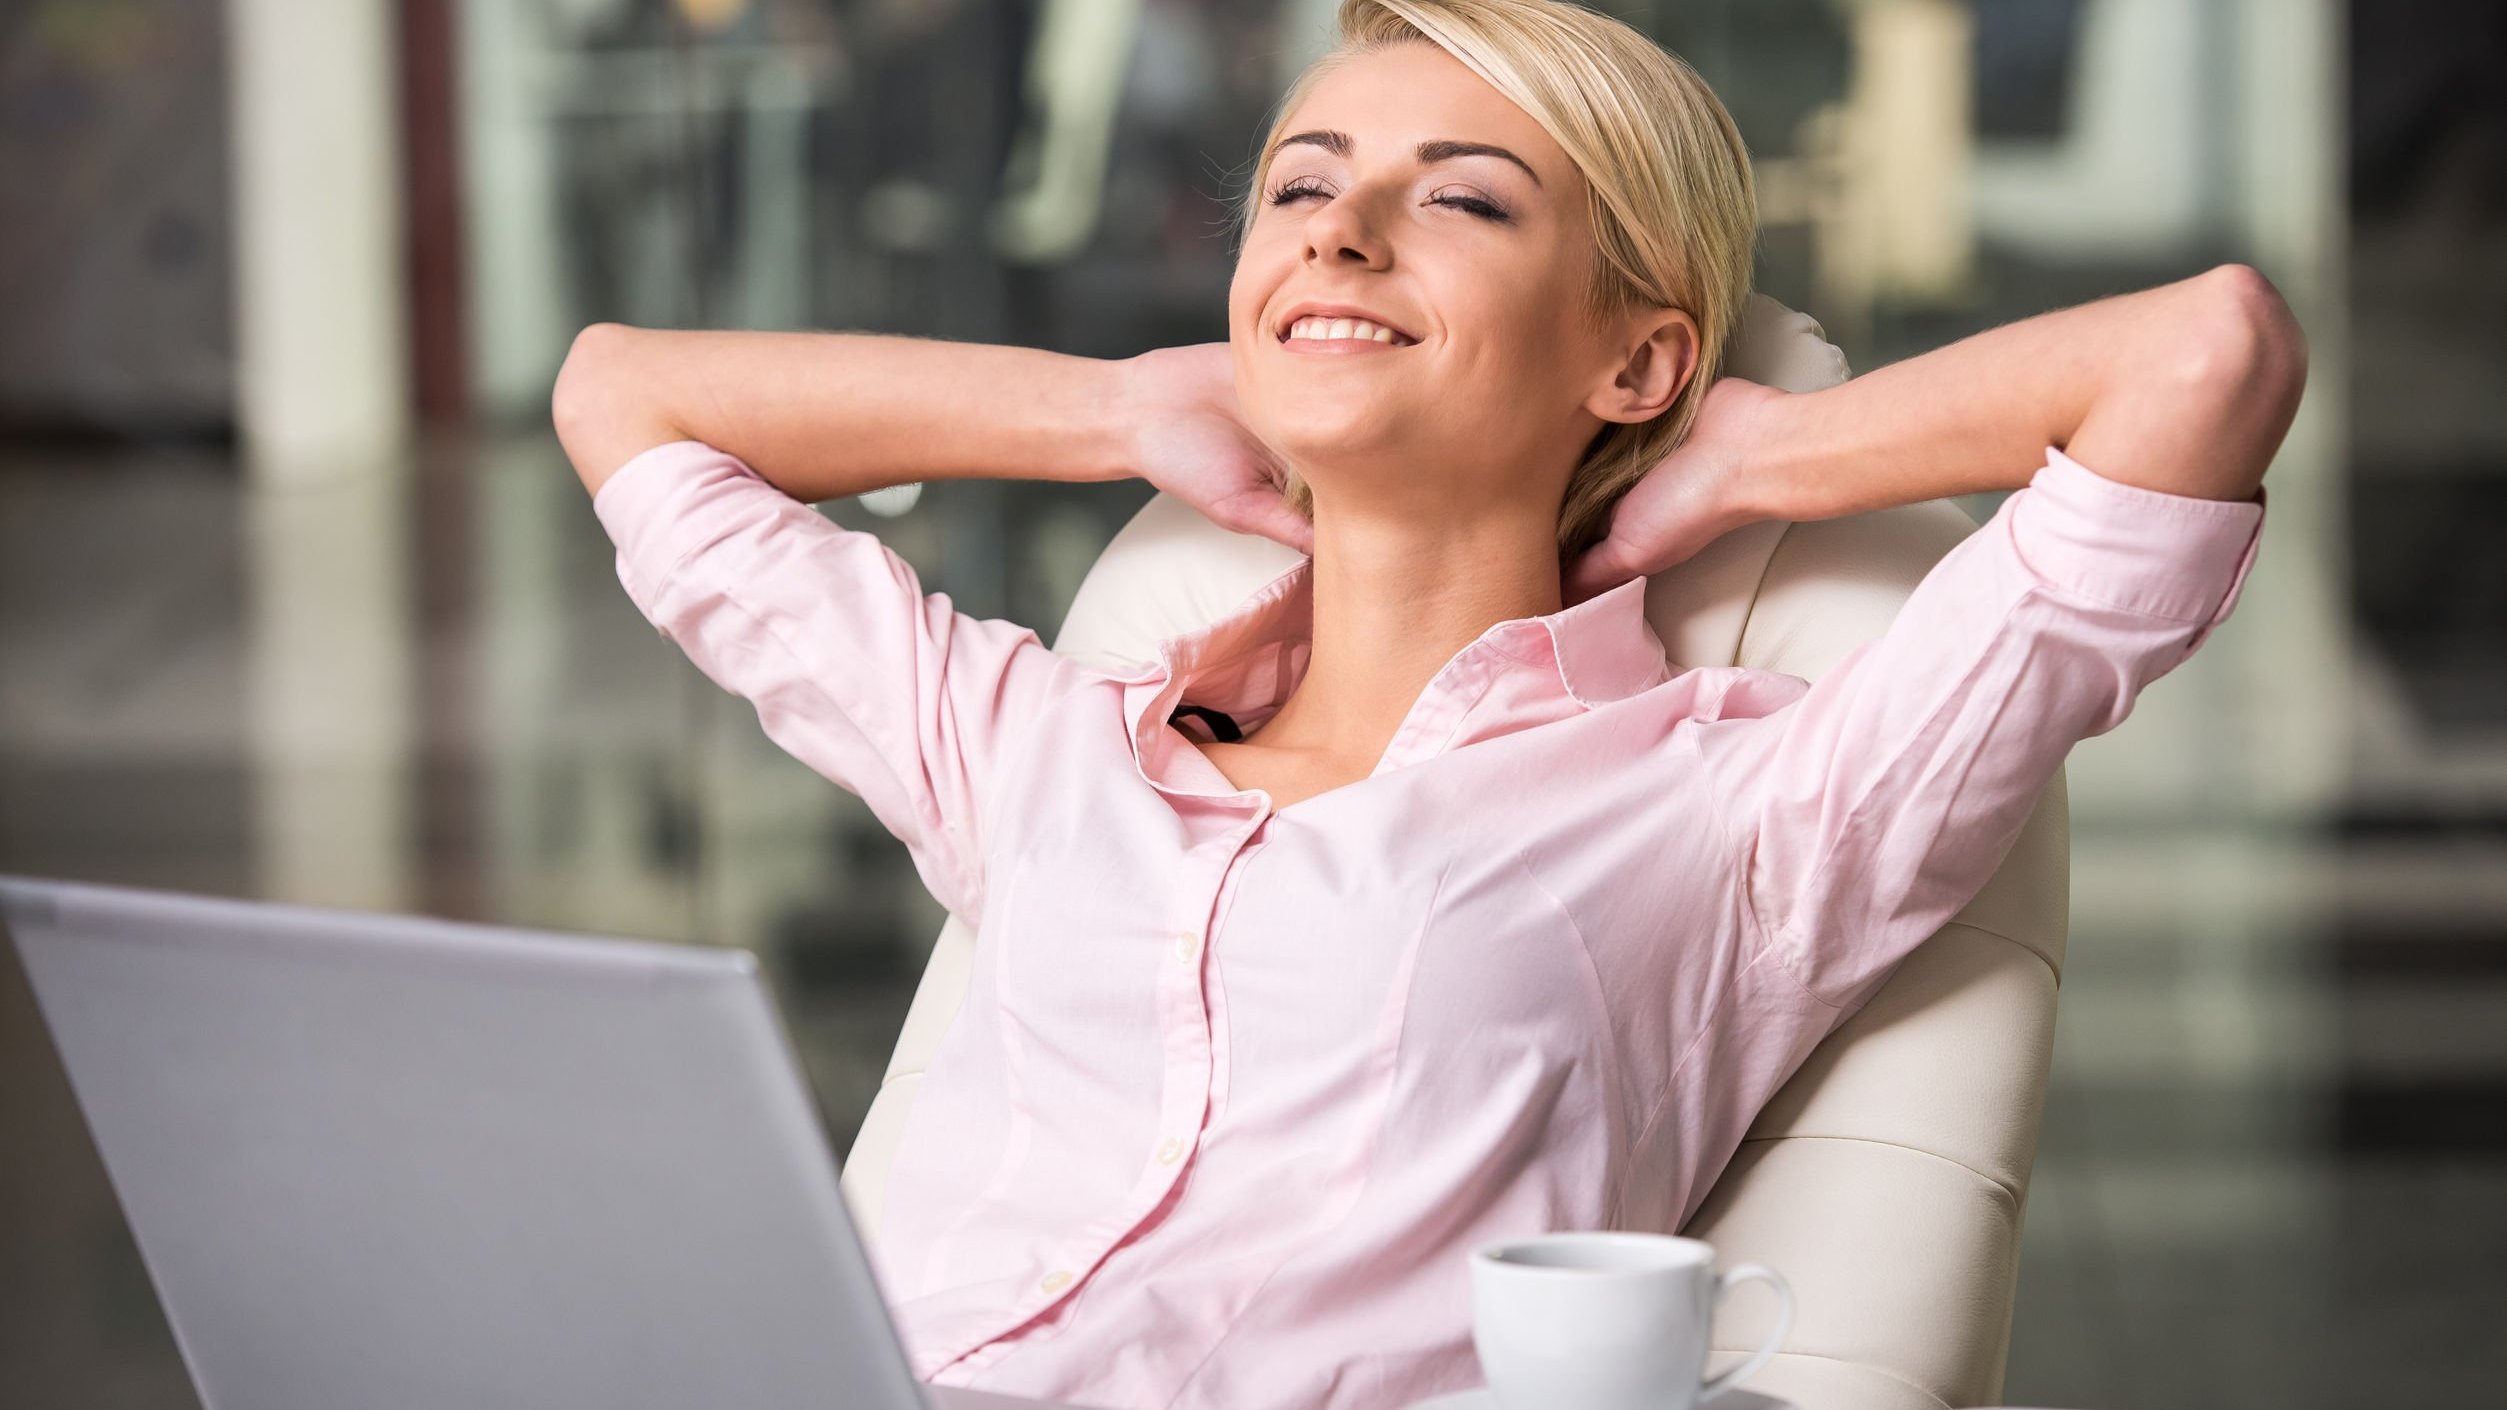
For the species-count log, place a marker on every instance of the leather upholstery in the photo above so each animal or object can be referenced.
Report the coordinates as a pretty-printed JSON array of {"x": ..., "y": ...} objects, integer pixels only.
[{"x": 1887, "y": 1179}]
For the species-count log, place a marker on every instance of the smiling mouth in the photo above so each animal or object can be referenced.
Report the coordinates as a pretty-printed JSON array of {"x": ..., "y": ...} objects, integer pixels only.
[{"x": 1315, "y": 329}]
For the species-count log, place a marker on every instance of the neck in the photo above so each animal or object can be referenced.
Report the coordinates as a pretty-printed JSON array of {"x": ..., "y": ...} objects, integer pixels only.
[{"x": 1395, "y": 597}]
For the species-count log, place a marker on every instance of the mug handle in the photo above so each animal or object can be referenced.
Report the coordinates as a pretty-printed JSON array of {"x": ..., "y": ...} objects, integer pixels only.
[{"x": 1726, "y": 1282}]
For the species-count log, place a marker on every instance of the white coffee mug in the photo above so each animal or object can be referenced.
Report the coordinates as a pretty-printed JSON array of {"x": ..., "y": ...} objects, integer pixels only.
[{"x": 1606, "y": 1320}]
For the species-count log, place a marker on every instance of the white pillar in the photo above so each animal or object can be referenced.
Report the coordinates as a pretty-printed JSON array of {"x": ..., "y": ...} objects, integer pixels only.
[
  {"x": 322, "y": 384},
  {"x": 522, "y": 317},
  {"x": 322, "y": 405},
  {"x": 1911, "y": 97},
  {"x": 2292, "y": 139}
]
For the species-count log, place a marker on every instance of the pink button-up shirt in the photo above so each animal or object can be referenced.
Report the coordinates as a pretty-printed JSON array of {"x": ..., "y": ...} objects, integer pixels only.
[{"x": 1235, "y": 1088}]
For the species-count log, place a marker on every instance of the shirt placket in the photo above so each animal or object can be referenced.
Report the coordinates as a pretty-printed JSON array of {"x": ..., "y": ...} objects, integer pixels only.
[{"x": 1187, "y": 1077}]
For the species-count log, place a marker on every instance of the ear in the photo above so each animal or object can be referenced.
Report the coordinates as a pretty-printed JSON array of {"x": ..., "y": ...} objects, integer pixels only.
[{"x": 1659, "y": 363}]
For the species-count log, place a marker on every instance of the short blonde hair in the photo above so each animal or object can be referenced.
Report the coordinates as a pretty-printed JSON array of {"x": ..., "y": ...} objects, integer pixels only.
[{"x": 1674, "y": 212}]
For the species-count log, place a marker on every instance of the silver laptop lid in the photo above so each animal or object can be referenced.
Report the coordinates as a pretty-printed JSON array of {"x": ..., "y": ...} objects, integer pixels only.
[{"x": 385, "y": 1161}]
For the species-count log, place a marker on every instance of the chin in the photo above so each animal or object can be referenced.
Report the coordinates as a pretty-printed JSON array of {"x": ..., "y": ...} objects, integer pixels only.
[
  {"x": 1309, "y": 444},
  {"x": 1308, "y": 426}
]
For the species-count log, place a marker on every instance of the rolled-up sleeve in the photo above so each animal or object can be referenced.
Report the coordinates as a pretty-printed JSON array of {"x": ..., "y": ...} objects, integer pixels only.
[
  {"x": 854, "y": 670},
  {"x": 1868, "y": 810}
]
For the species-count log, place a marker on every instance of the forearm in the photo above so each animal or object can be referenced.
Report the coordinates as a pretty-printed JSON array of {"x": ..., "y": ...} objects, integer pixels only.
[
  {"x": 2186, "y": 389},
  {"x": 826, "y": 415}
]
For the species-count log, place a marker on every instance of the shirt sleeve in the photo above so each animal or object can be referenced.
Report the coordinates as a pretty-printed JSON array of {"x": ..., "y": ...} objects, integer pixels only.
[
  {"x": 855, "y": 671},
  {"x": 1879, "y": 801}
]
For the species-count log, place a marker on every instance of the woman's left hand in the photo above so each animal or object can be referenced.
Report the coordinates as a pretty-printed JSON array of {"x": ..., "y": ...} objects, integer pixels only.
[{"x": 1695, "y": 495}]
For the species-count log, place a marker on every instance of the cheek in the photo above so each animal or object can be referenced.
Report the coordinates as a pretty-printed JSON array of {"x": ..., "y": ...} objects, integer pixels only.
[
  {"x": 1239, "y": 292},
  {"x": 1524, "y": 368},
  {"x": 1260, "y": 266},
  {"x": 1515, "y": 339}
]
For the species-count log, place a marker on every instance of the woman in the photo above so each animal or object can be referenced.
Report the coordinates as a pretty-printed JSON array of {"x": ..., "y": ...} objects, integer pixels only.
[{"x": 1417, "y": 902}]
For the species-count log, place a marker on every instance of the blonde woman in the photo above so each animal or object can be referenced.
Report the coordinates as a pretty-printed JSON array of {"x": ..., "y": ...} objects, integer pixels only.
[{"x": 1418, "y": 902}]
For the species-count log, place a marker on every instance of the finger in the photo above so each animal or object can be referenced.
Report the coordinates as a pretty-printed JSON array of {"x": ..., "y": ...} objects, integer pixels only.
[
  {"x": 1271, "y": 519},
  {"x": 1598, "y": 569},
  {"x": 1282, "y": 524}
]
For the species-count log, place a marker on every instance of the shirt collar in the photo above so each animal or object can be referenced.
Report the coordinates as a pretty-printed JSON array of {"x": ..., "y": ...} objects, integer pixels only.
[{"x": 1246, "y": 662}]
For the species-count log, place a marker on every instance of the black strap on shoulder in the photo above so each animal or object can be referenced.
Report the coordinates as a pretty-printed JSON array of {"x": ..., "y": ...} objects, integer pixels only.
[{"x": 1221, "y": 727}]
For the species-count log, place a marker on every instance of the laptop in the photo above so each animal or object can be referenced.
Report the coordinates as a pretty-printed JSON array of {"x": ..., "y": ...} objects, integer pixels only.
[{"x": 386, "y": 1161}]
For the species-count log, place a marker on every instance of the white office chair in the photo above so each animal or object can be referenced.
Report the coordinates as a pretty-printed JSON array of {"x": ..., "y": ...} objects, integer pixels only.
[{"x": 1887, "y": 1179}]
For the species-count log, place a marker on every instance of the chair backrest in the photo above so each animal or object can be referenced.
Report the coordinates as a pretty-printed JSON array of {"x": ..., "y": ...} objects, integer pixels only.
[{"x": 1887, "y": 1178}]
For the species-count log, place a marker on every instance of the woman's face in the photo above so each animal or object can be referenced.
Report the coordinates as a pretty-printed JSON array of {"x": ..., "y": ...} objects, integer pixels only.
[{"x": 1406, "y": 191}]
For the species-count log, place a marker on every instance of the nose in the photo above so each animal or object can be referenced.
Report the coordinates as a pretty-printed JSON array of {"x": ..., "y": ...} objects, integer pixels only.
[{"x": 1343, "y": 232}]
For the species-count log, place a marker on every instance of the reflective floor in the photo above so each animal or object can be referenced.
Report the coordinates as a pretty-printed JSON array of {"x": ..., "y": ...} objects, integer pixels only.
[{"x": 2274, "y": 1167}]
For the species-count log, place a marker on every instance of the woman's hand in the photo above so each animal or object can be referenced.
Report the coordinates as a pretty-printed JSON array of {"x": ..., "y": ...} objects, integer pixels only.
[
  {"x": 1189, "y": 438},
  {"x": 1697, "y": 494},
  {"x": 2186, "y": 389}
]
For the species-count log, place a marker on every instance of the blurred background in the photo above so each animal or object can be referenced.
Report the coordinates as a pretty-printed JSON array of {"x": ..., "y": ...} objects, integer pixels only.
[{"x": 299, "y": 599}]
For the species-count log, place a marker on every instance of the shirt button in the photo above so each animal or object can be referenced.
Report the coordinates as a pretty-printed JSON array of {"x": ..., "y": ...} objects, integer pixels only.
[
  {"x": 1186, "y": 946},
  {"x": 1169, "y": 1152},
  {"x": 1056, "y": 1280}
]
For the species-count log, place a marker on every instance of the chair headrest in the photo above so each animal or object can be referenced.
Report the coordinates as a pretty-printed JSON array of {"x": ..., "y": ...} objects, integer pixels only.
[{"x": 1785, "y": 597}]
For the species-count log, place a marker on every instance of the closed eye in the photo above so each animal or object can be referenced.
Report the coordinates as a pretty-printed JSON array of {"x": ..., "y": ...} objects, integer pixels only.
[
  {"x": 1303, "y": 186},
  {"x": 1476, "y": 206},
  {"x": 1307, "y": 186}
]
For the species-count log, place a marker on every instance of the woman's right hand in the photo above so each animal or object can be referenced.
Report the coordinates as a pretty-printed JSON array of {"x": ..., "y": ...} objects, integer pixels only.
[{"x": 1189, "y": 438}]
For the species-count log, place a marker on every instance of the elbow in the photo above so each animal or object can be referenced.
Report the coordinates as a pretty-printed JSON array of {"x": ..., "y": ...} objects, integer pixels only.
[
  {"x": 2241, "y": 346},
  {"x": 588, "y": 381},
  {"x": 602, "y": 405}
]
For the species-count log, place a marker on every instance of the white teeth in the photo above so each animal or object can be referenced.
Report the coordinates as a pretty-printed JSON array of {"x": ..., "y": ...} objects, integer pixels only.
[{"x": 1328, "y": 328}]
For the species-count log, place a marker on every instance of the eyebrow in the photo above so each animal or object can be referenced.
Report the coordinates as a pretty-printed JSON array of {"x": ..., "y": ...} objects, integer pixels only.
[{"x": 1430, "y": 153}]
